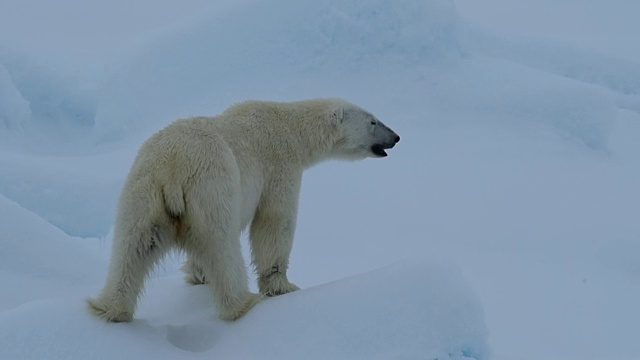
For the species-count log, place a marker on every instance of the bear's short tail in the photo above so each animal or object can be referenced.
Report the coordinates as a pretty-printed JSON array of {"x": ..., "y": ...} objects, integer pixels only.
[{"x": 174, "y": 200}]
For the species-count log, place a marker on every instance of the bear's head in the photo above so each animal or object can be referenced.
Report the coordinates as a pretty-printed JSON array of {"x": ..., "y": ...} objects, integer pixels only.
[{"x": 362, "y": 135}]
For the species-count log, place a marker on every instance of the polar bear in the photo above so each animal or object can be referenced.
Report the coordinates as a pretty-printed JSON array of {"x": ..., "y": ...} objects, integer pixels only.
[{"x": 196, "y": 184}]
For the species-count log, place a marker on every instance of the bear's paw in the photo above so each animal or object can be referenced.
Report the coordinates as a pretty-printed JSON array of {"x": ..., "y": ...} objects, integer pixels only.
[{"x": 235, "y": 311}]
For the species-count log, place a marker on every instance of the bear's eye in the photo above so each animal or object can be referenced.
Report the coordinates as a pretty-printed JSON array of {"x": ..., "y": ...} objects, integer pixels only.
[{"x": 373, "y": 122}]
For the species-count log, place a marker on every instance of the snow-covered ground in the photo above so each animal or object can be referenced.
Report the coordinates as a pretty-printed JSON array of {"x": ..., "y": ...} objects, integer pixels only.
[{"x": 503, "y": 226}]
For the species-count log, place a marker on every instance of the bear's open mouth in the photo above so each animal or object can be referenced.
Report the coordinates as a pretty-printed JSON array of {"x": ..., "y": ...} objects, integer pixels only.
[{"x": 379, "y": 149}]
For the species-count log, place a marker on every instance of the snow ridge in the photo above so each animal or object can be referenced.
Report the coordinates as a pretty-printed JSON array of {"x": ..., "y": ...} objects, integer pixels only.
[{"x": 418, "y": 308}]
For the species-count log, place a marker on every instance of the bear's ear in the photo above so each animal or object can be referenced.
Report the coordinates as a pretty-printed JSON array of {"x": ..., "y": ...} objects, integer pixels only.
[{"x": 337, "y": 114}]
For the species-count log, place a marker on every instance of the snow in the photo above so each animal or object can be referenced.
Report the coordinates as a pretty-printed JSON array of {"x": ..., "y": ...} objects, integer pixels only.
[
  {"x": 605, "y": 27},
  {"x": 560, "y": 59},
  {"x": 522, "y": 94},
  {"x": 14, "y": 108},
  {"x": 45, "y": 104},
  {"x": 50, "y": 186},
  {"x": 38, "y": 260},
  {"x": 332, "y": 39},
  {"x": 432, "y": 310},
  {"x": 513, "y": 192}
]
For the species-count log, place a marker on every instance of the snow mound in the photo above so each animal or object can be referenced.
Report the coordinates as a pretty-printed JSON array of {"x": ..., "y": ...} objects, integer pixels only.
[
  {"x": 286, "y": 48},
  {"x": 514, "y": 95},
  {"x": 403, "y": 52},
  {"x": 42, "y": 102},
  {"x": 416, "y": 309},
  {"x": 411, "y": 310},
  {"x": 38, "y": 259},
  {"x": 76, "y": 194},
  {"x": 619, "y": 75}
]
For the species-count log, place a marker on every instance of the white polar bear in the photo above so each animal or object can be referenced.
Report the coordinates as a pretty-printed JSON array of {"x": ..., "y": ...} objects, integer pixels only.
[{"x": 196, "y": 184}]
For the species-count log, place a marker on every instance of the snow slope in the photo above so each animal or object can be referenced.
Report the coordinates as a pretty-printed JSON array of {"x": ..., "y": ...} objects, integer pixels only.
[
  {"x": 518, "y": 165},
  {"x": 14, "y": 108},
  {"x": 77, "y": 194},
  {"x": 42, "y": 109},
  {"x": 419, "y": 50},
  {"x": 39, "y": 261},
  {"x": 432, "y": 312},
  {"x": 251, "y": 50}
]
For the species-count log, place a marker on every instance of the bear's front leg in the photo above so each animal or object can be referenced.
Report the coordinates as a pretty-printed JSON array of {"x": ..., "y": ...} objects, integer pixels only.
[
  {"x": 271, "y": 235},
  {"x": 275, "y": 283}
]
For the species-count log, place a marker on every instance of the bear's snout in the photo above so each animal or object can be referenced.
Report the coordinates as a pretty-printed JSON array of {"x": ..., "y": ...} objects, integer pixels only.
[
  {"x": 379, "y": 149},
  {"x": 391, "y": 140}
]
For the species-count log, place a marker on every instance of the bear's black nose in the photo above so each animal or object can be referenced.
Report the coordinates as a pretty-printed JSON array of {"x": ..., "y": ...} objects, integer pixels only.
[{"x": 397, "y": 139}]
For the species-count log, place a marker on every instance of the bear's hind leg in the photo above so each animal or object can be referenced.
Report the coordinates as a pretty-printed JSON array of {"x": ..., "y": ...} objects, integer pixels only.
[
  {"x": 214, "y": 251},
  {"x": 219, "y": 261},
  {"x": 131, "y": 260}
]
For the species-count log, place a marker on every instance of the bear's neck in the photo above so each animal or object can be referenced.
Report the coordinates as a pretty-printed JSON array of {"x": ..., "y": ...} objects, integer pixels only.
[{"x": 311, "y": 137}]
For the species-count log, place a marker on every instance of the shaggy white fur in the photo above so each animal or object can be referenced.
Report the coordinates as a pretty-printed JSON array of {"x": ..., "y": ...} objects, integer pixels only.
[{"x": 196, "y": 184}]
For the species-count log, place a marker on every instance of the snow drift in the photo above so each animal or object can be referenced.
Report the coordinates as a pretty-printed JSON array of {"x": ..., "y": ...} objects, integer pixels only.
[
  {"x": 431, "y": 314},
  {"x": 38, "y": 260},
  {"x": 285, "y": 49},
  {"x": 77, "y": 194},
  {"x": 14, "y": 109},
  {"x": 403, "y": 52},
  {"x": 336, "y": 48},
  {"x": 43, "y": 102},
  {"x": 493, "y": 171}
]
